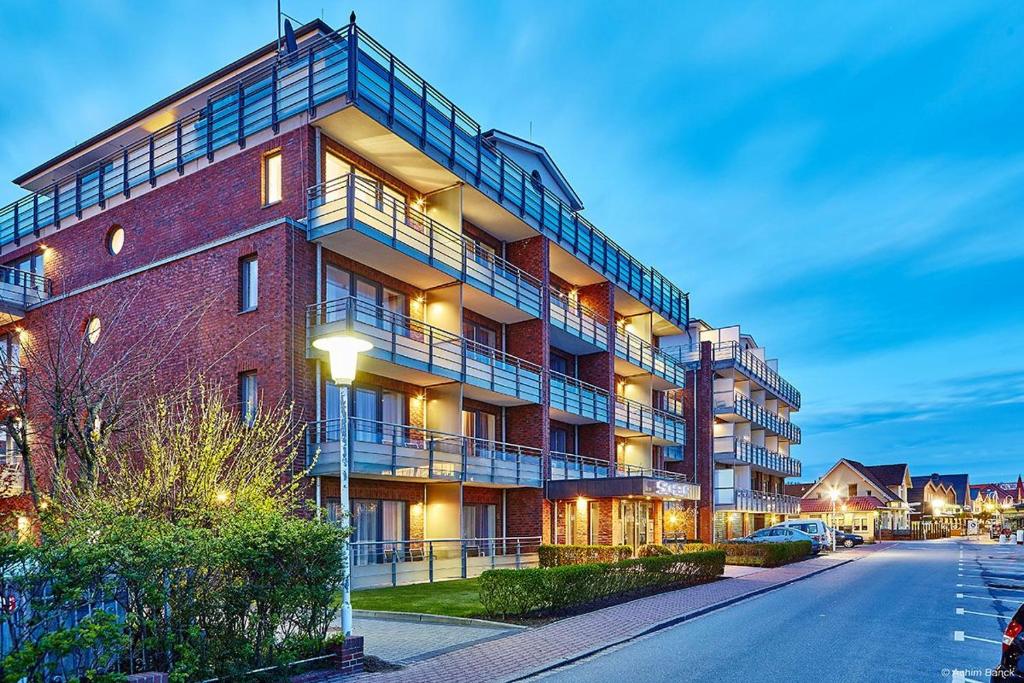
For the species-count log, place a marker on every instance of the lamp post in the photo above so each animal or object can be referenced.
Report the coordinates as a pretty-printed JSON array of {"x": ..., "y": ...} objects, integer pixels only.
[
  {"x": 342, "y": 352},
  {"x": 834, "y": 495}
]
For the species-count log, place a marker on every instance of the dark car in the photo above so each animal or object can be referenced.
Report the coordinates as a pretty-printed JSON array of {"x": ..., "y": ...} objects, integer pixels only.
[
  {"x": 848, "y": 540},
  {"x": 1011, "y": 668}
]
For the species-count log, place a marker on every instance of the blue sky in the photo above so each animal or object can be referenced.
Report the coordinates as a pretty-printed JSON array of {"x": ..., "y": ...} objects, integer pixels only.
[{"x": 845, "y": 180}]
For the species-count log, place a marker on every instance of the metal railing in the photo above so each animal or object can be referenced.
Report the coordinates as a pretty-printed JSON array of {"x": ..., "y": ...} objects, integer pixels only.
[
  {"x": 576, "y": 397},
  {"x": 636, "y": 416},
  {"x": 359, "y": 204},
  {"x": 12, "y": 476},
  {"x": 399, "y": 562},
  {"x": 571, "y": 466},
  {"x": 758, "y": 370},
  {"x": 412, "y": 343},
  {"x": 388, "y": 449},
  {"x": 381, "y": 85},
  {"x": 643, "y": 354},
  {"x": 22, "y": 288},
  {"x": 740, "y": 404},
  {"x": 578, "y": 320},
  {"x": 744, "y": 500},
  {"x": 758, "y": 456}
]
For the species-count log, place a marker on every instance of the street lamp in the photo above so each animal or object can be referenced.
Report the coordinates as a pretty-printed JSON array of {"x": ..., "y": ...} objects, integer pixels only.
[
  {"x": 834, "y": 495},
  {"x": 342, "y": 352}
]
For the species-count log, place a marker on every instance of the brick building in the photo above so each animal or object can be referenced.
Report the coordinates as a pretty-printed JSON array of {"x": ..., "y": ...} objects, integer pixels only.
[{"x": 528, "y": 376}]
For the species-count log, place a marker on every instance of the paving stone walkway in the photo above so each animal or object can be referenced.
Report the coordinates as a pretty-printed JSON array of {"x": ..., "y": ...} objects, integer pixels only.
[
  {"x": 403, "y": 642},
  {"x": 526, "y": 652}
]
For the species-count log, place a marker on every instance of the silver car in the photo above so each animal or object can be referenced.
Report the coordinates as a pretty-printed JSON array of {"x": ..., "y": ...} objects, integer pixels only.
[{"x": 781, "y": 534}]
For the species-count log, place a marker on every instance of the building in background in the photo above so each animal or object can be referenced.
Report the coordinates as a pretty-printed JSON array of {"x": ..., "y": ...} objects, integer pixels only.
[
  {"x": 871, "y": 500},
  {"x": 517, "y": 390},
  {"x": 938, "y": 503}
]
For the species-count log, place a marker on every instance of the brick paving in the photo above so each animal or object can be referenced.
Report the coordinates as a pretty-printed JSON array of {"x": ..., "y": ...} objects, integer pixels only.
[
  {"x": 537, "y": 649},
  {"x": 402, "y": 641}
]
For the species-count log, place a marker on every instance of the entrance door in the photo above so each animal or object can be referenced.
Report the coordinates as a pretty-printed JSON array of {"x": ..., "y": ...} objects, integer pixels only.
[{"x": 637, "y": 521}]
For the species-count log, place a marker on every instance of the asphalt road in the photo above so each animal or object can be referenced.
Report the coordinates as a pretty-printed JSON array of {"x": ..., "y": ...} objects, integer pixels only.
[{"x": 929, "y": 611}]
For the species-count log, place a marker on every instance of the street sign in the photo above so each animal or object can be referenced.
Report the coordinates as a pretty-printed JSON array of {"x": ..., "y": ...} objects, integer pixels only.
[{"x": 972, "y": 527}]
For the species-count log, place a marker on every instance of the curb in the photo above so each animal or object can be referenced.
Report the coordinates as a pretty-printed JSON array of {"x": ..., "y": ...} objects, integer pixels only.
[
  {"x": 672, "y": 621},
  {"x": 419, "y": 617}
]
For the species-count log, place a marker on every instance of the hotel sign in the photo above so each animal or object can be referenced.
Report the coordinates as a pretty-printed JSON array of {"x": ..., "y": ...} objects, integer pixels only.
[{"x": 663, "y": 488}]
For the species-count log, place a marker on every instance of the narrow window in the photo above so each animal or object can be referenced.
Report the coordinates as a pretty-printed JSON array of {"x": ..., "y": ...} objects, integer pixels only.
[
  {"x": 247, "y": 389},
  {"x": 92, "y": 330},
  {"x": 115, "y": 240},
  {"x": 272, "y": 178},
  {"x": 249, "y": 280}
]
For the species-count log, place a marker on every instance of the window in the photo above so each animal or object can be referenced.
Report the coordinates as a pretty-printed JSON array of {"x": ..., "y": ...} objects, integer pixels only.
[
  {"x": 249, "y": 281},
  {"x": 247, "y": 396},
  {"x": 10, "y": 351},
  {"x": 481, "y": 334},
  {"x": 593, "y": 523},
  {"x": 562, "y": 363},
  {"x": 380, "y": 527},
  {"x": 115, "y": 240},
  {"x": 851, "y": 490},
  {"x": 26, "y": 272},
  {"x": 272, "y": 178},
  {"x": 478, "y": 521},
  {"x": 536, "y": 180},
  {"x": 559, "y": 440},
  {"x": 379, "y": 415},
  {"x": 93, "y": 327}
]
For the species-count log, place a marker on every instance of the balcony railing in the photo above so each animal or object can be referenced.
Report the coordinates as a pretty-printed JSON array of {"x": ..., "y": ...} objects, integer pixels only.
[
  {"x": 740, "y": 404},
  {"x": 386, "y": 449},
  {"x": 411, "y": 343},
  {"x": 351, "y": 202},
  {"x": 758, "y": 370},
  {"x": 578, "y": 320},
  {"x": 743, "y": 500},
  {"x": 642, "y": 354},
  {"x": 382, "y": 86},
  {"x": 576, "y": 397},
  {"x": 21, "y": 289},
  {"x": 636, "y": 416},
  {"x": 757, "y": 456},
  {"x": 400, "y": 562},
  {"x": 12, "y": 477},
  {"x": 572, "y": 466}
]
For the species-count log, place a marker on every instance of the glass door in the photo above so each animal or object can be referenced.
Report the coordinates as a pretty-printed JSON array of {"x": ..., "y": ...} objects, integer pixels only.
[
  {"x": 337, "y": 289},
  {"x": 335, "y": 168}
]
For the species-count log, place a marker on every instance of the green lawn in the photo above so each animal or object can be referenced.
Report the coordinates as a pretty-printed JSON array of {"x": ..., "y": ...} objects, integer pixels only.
[{"x": 460, "y": 598}]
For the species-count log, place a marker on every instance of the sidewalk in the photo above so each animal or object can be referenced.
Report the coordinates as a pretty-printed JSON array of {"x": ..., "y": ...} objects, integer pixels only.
[{"x": 538, "y": 649}]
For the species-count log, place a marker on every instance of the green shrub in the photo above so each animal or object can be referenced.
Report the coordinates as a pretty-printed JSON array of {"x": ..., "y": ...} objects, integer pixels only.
[
  {"x": 652, "y": 550},
  {"x": 545, "y": 590},
  {"x": 757, "y": 554},
  {"x": 561, "y": 555}
]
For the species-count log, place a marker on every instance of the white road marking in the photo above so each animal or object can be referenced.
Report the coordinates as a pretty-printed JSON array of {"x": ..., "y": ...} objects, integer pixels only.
[
  {"x": 961, "y": 610},
  {"x": 980, "y": 597}
]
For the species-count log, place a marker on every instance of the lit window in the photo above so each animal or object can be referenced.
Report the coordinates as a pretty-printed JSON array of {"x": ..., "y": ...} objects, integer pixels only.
[
  {"x": 93, "y": 329},
  {"x": 115, "y": 240},
  {"x": 249, "y": 281},
  {"x": 272, "y": 178},
  {"x": 247, "y": 389}
]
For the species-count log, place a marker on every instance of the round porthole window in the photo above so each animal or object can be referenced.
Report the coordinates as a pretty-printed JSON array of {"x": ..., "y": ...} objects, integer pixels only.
[
  {"x": 93, "y": 329},
  {"x": 115, "y": 240}
]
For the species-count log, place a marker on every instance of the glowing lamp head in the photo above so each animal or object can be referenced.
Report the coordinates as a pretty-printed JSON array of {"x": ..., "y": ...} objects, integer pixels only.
[
  {"x": 342, "y": 351},
  {"x": 834, "y": 494}
]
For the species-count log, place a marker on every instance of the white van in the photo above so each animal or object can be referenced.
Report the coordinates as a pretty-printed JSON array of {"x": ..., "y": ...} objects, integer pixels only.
[{"x": 812, "y": 527}]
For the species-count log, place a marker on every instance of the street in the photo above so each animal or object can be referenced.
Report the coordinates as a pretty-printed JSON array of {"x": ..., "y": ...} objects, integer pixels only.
[{"x": 922, "y": 611}]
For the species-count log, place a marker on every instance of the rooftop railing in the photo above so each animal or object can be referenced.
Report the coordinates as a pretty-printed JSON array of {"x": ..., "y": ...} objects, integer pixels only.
[
  {"x": 758, "y": 456},
  {"x": 387, "y": 449},
  {"x": 578, "y": 319},
  {"x": 643, "y": 354},
  {"x": 740, "y": 404},
  {"x": 381, "y": 85},
  {"x": 638, "y": 417},
  {"x": 759, "y": 370},
  {"x": 576, "y": 397},
  {"x": 412, "y": 343},
  {"x": 357, "y": 203}
]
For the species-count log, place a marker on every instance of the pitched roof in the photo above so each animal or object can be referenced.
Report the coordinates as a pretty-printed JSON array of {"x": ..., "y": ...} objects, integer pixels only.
[
  {"x": 501, "y": 137},
  {"x": 890, "y": 475},
  {"x": 797, "y": 490},
  {"x": 960, "y": 483},
  {"x": 854, "y": 504},
  {"x": 869, "y": 474}
]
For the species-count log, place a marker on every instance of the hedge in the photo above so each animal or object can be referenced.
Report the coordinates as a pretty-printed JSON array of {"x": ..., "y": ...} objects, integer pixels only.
[
  {"x": 546, "y": 590},
  {"x": 757, "y": 554},
  {"x": 653, "y": 550},
  {"x": 561, "y": 555}
]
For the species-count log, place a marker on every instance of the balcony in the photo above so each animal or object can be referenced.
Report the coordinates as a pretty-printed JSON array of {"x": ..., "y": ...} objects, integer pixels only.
[
  {"x": 577, "y": 328},
  {"x": 578, "y": 402},
  {"x": 415, "y": 352},
  {"x": 12, "y": 477},
  {"x": 730, "y": 450},
  {"x": 729, "y": 353},
  {"x": 572, "y": 475},
  {"x": 646, "y": 357},
  {"x": 349, "y": 216},
  {"x": 734, "y": 406},
  {"x": 743, "y": 500},
  {"x": 19, "y": 291},
  {"x": 636, "y": 418},
  {"x": 381, "y": 449}
]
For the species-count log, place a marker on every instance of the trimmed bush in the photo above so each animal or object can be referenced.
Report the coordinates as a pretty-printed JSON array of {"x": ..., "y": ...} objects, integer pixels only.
[
  {"x": 562, "y": 555},
  {"x": 652, "y": 550},
  {"x": 550, "y": 590},
  {"x": 757, "y": 554}
]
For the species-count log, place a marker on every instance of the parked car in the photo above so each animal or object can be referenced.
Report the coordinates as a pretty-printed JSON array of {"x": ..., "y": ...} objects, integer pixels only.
[
  {"x": 780, "y": 534},
  {"x": 847, "y": 540},
  {"x": 1011, "y": 667},
  {"x": 815, "y": 528}
]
